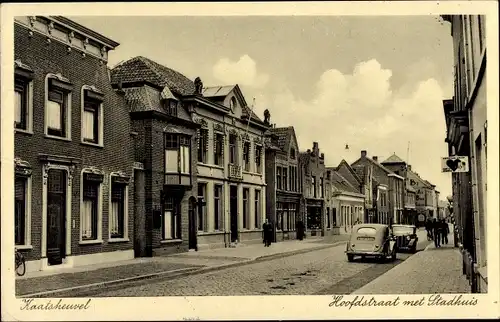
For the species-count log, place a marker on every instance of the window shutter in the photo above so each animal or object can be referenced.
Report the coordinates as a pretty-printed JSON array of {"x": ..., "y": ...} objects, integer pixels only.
[{"x": 205, "y": 139}]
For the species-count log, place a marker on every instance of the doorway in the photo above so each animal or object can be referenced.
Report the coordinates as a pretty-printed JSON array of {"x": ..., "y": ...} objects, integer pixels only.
[
  {"x": 233, "y": 209},
  {"x": 56, "y": 216},
  {"x": 193, "y": 237}
]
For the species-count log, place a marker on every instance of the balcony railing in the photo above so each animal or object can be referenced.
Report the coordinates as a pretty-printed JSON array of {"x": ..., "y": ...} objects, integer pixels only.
[{"x": 235, "y": 171}]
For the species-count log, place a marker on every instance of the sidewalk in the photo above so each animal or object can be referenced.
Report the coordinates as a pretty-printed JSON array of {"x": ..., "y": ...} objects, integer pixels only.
[
  {"x": 434, "y": 270},
  {"x": 50, "y": 283}
]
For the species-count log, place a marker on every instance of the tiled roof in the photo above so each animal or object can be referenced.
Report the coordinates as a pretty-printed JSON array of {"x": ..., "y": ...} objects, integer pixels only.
[
  {"x": 144, "y": 69},
  {"x": 394, "y": 159},
  {"x": 342, "y": 184},
  {"x": 246, "y": 110},
  {"x": 284, "y": 135}
]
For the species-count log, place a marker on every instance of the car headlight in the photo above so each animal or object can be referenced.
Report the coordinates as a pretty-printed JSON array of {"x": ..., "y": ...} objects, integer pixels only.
[{"x": 408, "y": 237}]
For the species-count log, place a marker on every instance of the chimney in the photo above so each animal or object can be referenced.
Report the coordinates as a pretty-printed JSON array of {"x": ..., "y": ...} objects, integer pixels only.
[
  {"x": 409, "y": 167},
  {"x": 363, "y": 153},
  {"x": 375, "y": 158}
]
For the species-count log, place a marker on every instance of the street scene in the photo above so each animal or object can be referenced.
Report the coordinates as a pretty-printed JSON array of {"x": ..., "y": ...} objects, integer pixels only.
[{"x": 223, "y": 156}]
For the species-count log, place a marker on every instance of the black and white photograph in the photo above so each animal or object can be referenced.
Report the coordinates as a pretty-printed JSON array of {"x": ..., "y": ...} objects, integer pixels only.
[{"x": 169, "y": 153}]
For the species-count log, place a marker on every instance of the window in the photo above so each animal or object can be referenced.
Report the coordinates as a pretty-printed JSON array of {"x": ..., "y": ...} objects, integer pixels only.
[
  {"x": 285, "y": 178},
  {"x": 334, "y": 216},
  {"x": 278, "y": 178},
  {"x": 171, "y": 219},
  {"x": 118, "y": 211},
  {"x": 203, "y": 146},
  {"x": 257, "y": 209},
  {"x": 232, "y": 103},
  {"x": 219, "y": 149},
  {"x": 232, "y": 149},
  {"x": 90, "y": 211},
  {"x": 21, "y": 210},
  {"x": 246, "y": 156},
  {"x": 279, "y": 216},
  {"x": 217, "y": 207},
  {"x": 258, "y": 159},
  {"x": 202, "y": 208},
  {"x": 367, "y": 231},
  {"x": 314, "y": 186},
  {"x": 177, "y": 154},
  {"x": 92, "y": 127},
  {"x": 245, "y": 208},
  {"x": 328, "y": 222},
  {"x": 172, "y": 107},
  {"x": 58, "y": 108},
  {"x": 292, "y": 153},
  {"x": 21, "y": 104},
  {"x": 321, "y": 190}
]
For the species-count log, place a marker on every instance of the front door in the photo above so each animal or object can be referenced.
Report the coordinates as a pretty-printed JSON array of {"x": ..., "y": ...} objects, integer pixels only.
[
  {"x": 193, "y": 238},
  {"x": 233, "y": 208},
  {"x": 56, "y": 216}
]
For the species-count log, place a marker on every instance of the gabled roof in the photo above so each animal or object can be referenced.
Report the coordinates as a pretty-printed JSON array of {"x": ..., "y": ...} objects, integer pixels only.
[
  {"x": 394, "y": 159},
  {"x": 351, "y": 170},
  {"x": 285, "y": 135},
  {"x": 341, "y": 184},
  {"x": 142, "y": 69},
  {"x": 370, "y": 160}
]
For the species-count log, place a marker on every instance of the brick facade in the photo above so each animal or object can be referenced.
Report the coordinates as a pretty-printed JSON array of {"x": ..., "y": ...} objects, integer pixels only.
[{"x": 115, "y": 156}]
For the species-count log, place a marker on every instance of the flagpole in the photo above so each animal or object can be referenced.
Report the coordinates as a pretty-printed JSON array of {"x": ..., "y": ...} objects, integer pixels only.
[{"x": 250, "y": 116}]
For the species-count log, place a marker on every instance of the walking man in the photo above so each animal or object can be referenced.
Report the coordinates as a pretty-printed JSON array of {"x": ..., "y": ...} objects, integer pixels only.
[
  {"x": 436, "y": 230},
  {"x": 267, "y": 231},
  {"x": 445, "y": 230}
]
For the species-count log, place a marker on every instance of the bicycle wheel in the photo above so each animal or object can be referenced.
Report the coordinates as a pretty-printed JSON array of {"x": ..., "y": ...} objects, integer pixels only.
[{"x": 20, "y": 265}]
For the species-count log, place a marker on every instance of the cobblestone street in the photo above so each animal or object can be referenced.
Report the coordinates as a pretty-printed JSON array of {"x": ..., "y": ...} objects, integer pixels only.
[{"x": 324, "y": 271}]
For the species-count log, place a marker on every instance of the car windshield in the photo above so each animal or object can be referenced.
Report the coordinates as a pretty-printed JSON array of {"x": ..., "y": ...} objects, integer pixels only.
[
  {"x": 367, "y": 231},
  {"x": 402, "y": 230}
]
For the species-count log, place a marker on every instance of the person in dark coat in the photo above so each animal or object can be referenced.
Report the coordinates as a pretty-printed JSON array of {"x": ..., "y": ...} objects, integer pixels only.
[
  {"x": 436, "y": 231},
  {"x": 428, "y": 228},
  {"x": 267, "y": 231},
  {"x": 445, "y": 230},
  {"x": 300, "y": 230}
]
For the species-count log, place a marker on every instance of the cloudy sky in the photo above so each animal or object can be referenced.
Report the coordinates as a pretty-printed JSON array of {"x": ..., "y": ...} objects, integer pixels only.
[{"x": 373, "y": 83}]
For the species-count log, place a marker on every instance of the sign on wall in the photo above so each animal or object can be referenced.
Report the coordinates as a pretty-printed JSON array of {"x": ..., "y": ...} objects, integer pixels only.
[{"x": 455, "y": 164}]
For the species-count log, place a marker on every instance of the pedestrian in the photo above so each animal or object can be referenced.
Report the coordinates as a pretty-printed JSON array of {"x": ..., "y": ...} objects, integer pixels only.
[
  {"x": 267, "y": 231},
  {"x": 428, "y": 228},
  {"x": 300, "y": 230},
  {"x": 436, "y": 231},
  {"x": 445, "y": 230}
]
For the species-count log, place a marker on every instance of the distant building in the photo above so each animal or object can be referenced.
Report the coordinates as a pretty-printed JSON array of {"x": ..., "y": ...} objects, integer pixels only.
[
  {"x": 312, "y": 168},
  {"x": 425, "y": 196},
  {"x": 389, "y": 191},
  {"x": 348, "y": 201},
  {"x": 400, "y": 167},
  {"x": 466, "y": 135},
  {"x": 283, "y": 189}
]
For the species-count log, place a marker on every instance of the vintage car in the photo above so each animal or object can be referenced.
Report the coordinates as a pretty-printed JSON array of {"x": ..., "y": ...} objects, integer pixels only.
[
  {"x": 406, "y": 237},
  {"x": 371, "y": 240}
]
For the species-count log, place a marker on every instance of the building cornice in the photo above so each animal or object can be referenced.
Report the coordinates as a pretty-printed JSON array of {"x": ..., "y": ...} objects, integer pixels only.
[{"x": 69, "y": 33}]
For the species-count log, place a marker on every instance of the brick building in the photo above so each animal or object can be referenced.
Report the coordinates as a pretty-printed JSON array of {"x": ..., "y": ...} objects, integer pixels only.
[
  {"x": 73, "y": 153},
  {"x": 312, "y": 174},
  {"x": 282, "y": 178},
  {"x": 388, "y": 192},
  {"x": 164, "y": 143}
]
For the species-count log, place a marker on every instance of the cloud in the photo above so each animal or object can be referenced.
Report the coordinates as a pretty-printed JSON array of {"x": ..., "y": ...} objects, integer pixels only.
[
  {"x": 243, "y": 72},
  {"x": 362, "y": 110}
]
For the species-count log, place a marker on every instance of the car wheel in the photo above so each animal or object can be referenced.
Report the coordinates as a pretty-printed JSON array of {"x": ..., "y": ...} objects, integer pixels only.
[
  {"x": 394, "y": 254},
  {"x": 350, "y": 258},
  {"x": 414, "y": 249}
]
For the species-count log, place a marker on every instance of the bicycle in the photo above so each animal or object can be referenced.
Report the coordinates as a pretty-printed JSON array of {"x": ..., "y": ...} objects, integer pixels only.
[{"x": 20, "y": 263}]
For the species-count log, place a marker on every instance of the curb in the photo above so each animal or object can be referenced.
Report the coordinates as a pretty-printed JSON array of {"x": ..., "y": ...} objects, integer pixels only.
[{"x": 168, "y": 275}]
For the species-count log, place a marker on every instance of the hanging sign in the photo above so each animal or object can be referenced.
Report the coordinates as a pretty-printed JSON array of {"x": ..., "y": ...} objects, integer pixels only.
[{"x": 455, "y": 164}]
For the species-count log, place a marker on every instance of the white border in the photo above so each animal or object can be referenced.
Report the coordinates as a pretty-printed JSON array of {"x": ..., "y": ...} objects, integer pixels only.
[{"x": 279, "y": 307}]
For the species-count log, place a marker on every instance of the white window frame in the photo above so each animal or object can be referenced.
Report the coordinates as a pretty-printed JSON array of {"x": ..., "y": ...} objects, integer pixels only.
[
  {"x": 29, "y": 106},
  {"x": 125, "y": 237},
  {"x": 67, "y": 137},
  {"x": 27, "y": 213},
  {"x": 98, "y": 240},
  {"x": 100, "y": 117}
]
